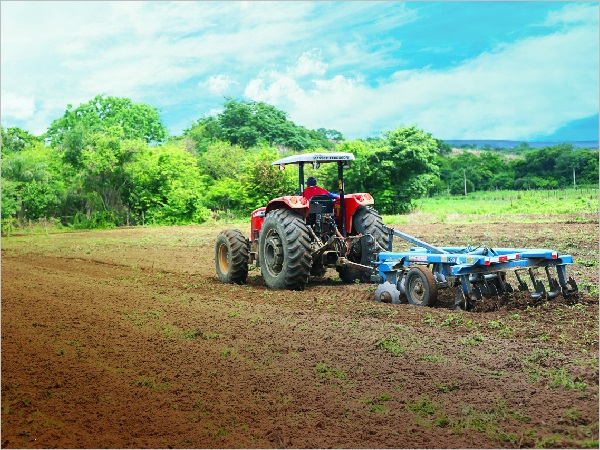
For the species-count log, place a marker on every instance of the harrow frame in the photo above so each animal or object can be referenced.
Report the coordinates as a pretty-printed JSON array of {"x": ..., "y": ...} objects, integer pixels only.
[{"x": 474, "y": 272}]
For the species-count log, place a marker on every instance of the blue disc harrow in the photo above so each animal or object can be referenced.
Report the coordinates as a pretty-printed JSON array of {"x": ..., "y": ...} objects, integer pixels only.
[{"x": 474, "y": 273}]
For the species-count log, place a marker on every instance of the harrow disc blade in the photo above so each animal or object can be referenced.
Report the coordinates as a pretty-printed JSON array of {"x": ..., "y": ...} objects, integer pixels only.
[
  {"x": 566, "y": 290},
  {"x": 477, "y": 291},
  {"x": 492, "y": 290},
  {"x": 522, "y": 285},
  {"x": 463, "y": 302}
]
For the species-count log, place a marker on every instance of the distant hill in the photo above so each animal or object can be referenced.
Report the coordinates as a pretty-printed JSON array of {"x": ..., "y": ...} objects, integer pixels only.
[{"x": 512, "y": 144}]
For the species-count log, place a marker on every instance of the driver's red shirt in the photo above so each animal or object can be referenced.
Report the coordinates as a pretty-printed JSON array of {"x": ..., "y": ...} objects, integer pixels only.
[{"x": 314, "y": 190}]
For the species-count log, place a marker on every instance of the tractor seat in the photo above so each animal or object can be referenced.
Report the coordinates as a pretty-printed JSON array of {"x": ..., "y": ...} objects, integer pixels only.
[{"x": 320, "y": 204}]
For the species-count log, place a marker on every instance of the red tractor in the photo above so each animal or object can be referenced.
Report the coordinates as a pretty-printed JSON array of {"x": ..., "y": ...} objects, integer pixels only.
[{"x": 293, "y": 238}]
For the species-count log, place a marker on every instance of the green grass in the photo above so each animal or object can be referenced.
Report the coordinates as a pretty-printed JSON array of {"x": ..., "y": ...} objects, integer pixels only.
[
  {"x": 392, "y": 345},
  {"x": 490, "y": 421},
  {"x": 423, "y": 406},
  {"x": 473, "y": 339},
  {"x": 560, "y": 377},
  {"x": 513, "y": 206},
  {"x": 536, "y": 365},
  {"x": 327, "y": 372},
  {"x": 377, "y": 404}
]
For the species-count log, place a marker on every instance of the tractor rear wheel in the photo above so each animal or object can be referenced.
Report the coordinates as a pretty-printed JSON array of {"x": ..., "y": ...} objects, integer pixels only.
[
  {"x": 365, "y": 221},
  {"x": 284, "y": 250},
  {"x": 231, "y": 257}
]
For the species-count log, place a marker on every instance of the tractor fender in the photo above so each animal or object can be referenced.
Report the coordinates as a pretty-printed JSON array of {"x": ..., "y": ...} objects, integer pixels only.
[
  {"x": 353, "y": 201},
  {"x": 294, "y": 202},
  {"x": 256, "y": 221}
]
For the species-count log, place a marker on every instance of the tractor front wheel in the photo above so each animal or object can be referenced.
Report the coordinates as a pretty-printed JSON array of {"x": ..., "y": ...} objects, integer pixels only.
[
  {"x": 421, "y": 287},
  {"x": 284, "y": 250},
  {"x": 231, "y": 257}
]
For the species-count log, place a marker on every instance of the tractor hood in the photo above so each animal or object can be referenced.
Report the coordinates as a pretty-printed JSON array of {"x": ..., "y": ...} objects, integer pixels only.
[{"x": 314, "y": 157}]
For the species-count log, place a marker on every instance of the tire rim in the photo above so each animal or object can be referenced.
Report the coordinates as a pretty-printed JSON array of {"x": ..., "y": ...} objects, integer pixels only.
[
  {"x": 223, "y": 256},
  {"x": 417, "y": 289},
  {"x": 273, "y": 253}
]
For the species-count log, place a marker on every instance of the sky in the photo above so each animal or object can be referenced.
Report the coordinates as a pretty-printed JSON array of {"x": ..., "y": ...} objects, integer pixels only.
[{"x": 525, "y": 71}]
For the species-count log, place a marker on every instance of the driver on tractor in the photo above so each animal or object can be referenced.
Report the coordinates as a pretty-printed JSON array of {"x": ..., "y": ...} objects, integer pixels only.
[{"x": 312, "y": 189}]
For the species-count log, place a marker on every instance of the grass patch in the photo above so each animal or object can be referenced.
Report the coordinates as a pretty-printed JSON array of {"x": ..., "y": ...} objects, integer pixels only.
[
  {"x": 227, "y": 352},
  {"x": 373, "y": 312},
  {"x": 448, "y": 387},
  {"x": 377, "y": 404},
  {"x": 434, "y": 359},
  {"x": 488, "y": 421},
  {"x": 473, "y": 340},
  {"x": 510, "y": 203},
  {"x": 423, "y": 406},
  {"x": 428, "y": 319},
  {"x": 560, "y": 377},
  {"x": 328, "y": 372},
  {"x": 586, "y": 262},
  {"x": 536, "y": 365},
  {"x": 393, "y": 345},
  {"x": 455, "y": 320}
]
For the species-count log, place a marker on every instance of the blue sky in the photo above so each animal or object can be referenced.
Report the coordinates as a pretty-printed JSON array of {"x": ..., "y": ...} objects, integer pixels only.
[{"x": 459, "y": 70}]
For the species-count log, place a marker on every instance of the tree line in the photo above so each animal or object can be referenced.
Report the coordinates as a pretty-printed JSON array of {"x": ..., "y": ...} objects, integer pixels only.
[{"x": 111, "y": 162}]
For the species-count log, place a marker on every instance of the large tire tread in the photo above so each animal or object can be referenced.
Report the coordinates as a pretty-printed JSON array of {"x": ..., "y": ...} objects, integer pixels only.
[
  {"x": 297, "y": 263},
  {"x": 232, "y": 264}
]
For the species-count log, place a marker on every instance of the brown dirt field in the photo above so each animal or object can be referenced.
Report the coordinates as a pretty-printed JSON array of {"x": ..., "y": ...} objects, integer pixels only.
[{"x": 125, "y": 338}]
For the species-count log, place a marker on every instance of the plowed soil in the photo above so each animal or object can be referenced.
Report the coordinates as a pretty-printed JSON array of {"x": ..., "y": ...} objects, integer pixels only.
[{"x": 125, "y": 338}]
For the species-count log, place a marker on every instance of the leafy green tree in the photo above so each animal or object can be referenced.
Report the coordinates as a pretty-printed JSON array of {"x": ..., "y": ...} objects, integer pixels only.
[
  {"x": 104, "y": 160},
  {"x": 31, "y": 185},
  {"x": 167, "y": 187},
  {"x": 330, "y": 135},
  {"x": 457, "y": 186},
  {"x": 484, "y": 171},
  {"x": 359, "y": 170},
  {"x": 10, "y": 201},
  {"x": 444, "y": 148},
  {"x": 226, "y": 194},
  {"x": 15, "y": 139},
  {"x": 261, "y": 181},
  {"x": 396, "y": 170},
  {"x": 137, "y": 120},
  {"x": 250, "y": 123},
  {"x": 243, "y": 180},
  {"x": 552, "y": 167},
  {"x": 40, "y": 199},
  {"x": 583, "y": 161},
  {"x": 221, "y": 160},
  {"x": 403, "y": 170},
  {"x": 202, "y": 133},
  {"x": 247, "y": 123}
]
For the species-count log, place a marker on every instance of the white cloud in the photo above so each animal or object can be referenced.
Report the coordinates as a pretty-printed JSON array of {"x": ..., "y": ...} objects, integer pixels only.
[
  {"x": 17, "y": 106},
  {"x": 572, "y": 14},
  {"x": 217, "y": 84},
  {"x": 521, "y": 90},
  {"x": 283, "y": 90},
  {"x": 310, "y": 63},
  {"x": 165, "y": 50},
  {"x": 76, "y": 50}
]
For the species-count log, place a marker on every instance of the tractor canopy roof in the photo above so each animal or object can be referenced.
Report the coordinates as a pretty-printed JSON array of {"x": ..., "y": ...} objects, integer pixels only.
[{"x": 314, "y": 158}]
